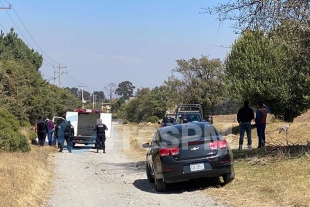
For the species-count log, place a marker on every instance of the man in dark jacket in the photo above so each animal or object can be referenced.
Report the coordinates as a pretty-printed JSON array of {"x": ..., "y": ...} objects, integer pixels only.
[
  {"x": 68, "y": 135},
  {"x": 100, "y": 128},
  {"x": 244, "y": 116},
  {"x": 42, "y": 130}
]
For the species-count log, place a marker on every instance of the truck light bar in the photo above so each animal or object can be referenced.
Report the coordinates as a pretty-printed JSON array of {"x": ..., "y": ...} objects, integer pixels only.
[{"x": 90, "y": 111}]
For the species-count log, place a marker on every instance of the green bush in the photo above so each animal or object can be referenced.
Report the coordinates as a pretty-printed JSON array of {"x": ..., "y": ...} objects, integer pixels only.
[
  {"x": 152, "y": 119},
  {"x": 10, "y": 137},
  {"x": 25, "y": 124},
  {"x": 32, "y": 135}
]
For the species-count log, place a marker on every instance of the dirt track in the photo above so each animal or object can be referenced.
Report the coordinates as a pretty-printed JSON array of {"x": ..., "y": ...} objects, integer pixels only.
[{"x": 85, "y": 178}]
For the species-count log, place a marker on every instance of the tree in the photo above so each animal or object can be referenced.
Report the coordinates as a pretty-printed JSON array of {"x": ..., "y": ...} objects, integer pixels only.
[
  {"x": 125, "y": 89},
  {"x": 266, "y": 15},
  {"x": 110, "y": 88},
  {"x": 74, "y": 91},
  {"x": 259, "y": 68},
  {"x": 198, "y": 81},
  {"x": 99, "y": 96}
]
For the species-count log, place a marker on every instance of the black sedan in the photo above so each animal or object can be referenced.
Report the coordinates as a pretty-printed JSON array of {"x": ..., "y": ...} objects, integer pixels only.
[{"x": 187, "y": 151}]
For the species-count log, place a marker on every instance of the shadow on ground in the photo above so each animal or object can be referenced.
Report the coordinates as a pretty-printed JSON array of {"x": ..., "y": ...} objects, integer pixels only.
[
  {"x": 181, "y": 187},
  {"x": 289, "y": 151}
]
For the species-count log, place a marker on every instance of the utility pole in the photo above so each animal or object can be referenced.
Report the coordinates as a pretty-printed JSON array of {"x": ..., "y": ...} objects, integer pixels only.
[
  {"x": 82, "y": 86},
  {"x": 94, "y": 98},
  {"x": 59, "y": 71},
  {"x": 10, "y": 7},
  {"x": 59, "y": 74}
]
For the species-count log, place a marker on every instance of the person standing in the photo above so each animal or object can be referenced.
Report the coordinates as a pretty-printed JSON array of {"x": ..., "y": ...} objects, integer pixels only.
[
  {"x": 100, "y": 128},
  {"x": 50, "y": 125},
  {"x": 260, "y": 121},
  {"x": 56, "y": 129},
  {"x": 244, "y": 117},
  {"x": 61, "y": 135},
  {"x": 42, "y": 130},
  {"x": 68, "y": 135}
]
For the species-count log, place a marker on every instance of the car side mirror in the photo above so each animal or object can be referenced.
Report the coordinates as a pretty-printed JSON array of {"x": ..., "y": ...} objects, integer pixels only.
[{"x": 146, "y": 145}]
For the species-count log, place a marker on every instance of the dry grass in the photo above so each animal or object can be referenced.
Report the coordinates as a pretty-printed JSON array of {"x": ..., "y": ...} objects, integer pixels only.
[
  {"x": 25, "y": 177},
  {"x": 275, "y": 176}
]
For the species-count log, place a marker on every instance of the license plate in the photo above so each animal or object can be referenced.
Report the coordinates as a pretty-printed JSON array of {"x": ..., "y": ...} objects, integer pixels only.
[{"x": 197, "y": 167}]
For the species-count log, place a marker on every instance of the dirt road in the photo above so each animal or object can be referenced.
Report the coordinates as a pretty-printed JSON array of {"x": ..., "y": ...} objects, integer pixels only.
[{"x": 85, "y": 178}]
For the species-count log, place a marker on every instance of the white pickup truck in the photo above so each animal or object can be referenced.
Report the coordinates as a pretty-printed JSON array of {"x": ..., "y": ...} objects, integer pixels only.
[{"x": 84, "y": 121}]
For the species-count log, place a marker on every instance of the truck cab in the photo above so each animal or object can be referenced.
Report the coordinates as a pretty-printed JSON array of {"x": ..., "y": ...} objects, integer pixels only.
[{"x": 193, "y": 112}]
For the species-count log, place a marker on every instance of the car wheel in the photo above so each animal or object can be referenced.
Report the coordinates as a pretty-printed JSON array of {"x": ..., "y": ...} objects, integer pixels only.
[
  {"x": 160, "y": 186},
  {"x": 149, "y": 175},
  {"x": 228, "y": 178}
]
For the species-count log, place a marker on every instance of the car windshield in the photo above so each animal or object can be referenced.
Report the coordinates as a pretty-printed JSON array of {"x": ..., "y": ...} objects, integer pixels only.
[{"x": 191, "y": 117}]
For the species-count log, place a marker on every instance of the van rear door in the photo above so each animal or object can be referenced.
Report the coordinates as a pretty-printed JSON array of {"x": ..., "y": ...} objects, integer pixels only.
[
  {"x": 107, "y": 120},
  {"x": 73, "y": 116}
]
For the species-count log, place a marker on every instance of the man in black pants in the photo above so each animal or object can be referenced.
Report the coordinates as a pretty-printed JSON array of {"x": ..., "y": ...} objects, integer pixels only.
[
  {"x": 244, "y": 116},
  {"x": 100, "y": 129},
  {"x": 42, "y": 130}
]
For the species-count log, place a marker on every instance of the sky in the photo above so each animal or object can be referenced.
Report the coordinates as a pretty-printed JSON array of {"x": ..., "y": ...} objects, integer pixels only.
[{"x": 110, "y": 41}]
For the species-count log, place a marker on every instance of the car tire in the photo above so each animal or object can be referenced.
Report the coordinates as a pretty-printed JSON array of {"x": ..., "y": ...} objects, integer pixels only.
[
  {"x": 160, "y": 186},
  {"x": 228, "y": 178},
  {"x": 149, "y": 175}
]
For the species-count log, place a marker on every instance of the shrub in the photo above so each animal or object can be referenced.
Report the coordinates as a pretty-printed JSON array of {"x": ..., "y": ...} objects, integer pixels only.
[
  {"x": 152, "y": 119},
  {"x": 10, "y": 137}
]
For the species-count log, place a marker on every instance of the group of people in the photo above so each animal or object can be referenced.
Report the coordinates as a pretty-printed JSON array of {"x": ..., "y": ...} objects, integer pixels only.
[
  {"x": 245, "y": 116},
  {"x": 61, "y": 130}
]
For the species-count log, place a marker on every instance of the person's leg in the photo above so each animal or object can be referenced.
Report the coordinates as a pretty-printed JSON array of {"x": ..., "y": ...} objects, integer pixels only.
[
  {"x": 41, "y": 139},
  {"x": 249, "y": 134},
  {"x": 98, "y": 143},
  {"x": 260, "y": 135},
  {"x": 68, "y": 143},
  {"x": 61, "y": 143},
  {"x": 50, "y": 138},
  {"x": 263, "y": 134},
  {"x": 103, "y": 144},
  {"x": 241, "y": 130}
]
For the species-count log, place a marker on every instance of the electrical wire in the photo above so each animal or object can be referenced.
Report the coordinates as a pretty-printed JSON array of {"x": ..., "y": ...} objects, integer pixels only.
[
  {"x": 3, "y": 28},
  {"x": 26, "y": 30},
  {"x": 74, "y": 79},
  {"x": 32, "y": 37}
]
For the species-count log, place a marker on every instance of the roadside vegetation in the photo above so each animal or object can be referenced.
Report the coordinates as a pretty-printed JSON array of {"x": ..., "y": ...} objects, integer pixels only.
[
  {"x": 275, "y": 176},
  {"x": 26, "y": 177}
]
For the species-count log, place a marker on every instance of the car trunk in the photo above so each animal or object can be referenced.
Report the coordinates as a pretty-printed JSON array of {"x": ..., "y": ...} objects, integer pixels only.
[{"x": 195, "y": 149}]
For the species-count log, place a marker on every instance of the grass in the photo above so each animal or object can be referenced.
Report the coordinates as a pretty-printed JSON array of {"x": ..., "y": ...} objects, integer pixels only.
[
  {"x": 278, "y": 175},
  {"x": 25, "y": 177}
]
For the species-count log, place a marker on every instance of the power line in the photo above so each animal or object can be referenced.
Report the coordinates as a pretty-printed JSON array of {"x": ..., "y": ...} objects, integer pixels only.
[
  {"x": 32, "y": 37},
  {"x": 19, "y": 29},
  {"x": 74, "y": 79}
]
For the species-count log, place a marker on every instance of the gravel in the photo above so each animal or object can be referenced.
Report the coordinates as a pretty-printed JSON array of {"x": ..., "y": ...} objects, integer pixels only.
[{"x": 85, "y": 178}]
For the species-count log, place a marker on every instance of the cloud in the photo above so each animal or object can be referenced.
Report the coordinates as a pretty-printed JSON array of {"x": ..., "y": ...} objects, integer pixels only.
[{"x": 127, "y": 59}]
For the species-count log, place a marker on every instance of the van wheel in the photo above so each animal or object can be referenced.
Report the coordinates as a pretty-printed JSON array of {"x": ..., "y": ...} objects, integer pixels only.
[
  {"x": 160, "y": 185},
  {"x": 149, "y": 175}
]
